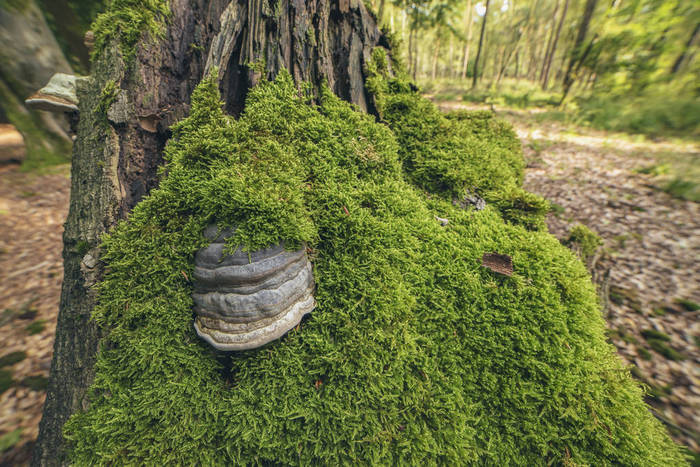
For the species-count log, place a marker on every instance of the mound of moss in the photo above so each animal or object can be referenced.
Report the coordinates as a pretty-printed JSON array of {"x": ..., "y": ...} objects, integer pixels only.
[
  {"x": 415, "y": 353},
  {"x": 454, "y": 155}
]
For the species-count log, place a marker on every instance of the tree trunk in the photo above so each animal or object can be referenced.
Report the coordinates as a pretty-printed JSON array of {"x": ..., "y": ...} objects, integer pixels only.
[
  {"x": 481, "y": 43},
  {"x": 436, "y": 53},
  {"x": 548, "y": 64},
  {"x": 116, "y": 156},
  {"x": 550, "y": 41},
  {"x": 380, "y": 13},
  {"x": 465, "y": 63},
  {"x": 576, "y": 53},
  {"x": 681, "y": 58}
]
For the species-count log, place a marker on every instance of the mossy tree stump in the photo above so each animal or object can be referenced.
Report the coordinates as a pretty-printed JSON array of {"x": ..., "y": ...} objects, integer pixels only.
[{"x": 149, "y": 56}]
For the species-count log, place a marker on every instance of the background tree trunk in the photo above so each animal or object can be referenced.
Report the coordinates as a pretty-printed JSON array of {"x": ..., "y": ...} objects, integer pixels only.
[
  {"x": 117, "y": 155},
  {"x": 481, "y": 43},
  {"x": 550, "y": 57},
  {"x": 465, "y": 62},
  {"x": 577, "y": 54}
]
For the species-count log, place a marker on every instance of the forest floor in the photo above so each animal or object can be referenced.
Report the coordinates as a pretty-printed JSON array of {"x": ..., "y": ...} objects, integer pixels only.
[{"x": 648, "y": 268}]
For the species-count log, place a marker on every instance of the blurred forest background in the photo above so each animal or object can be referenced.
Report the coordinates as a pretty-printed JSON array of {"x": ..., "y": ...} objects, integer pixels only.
[
  {"x": 621, "y": 65},
  {"x": 629, "y": 65},
  {"x": 604, "y": 94}
]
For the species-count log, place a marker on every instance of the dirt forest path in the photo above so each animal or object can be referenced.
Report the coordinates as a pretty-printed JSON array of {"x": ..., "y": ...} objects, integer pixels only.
[
  {"x": 651, "y": 261},
  {"x": 33, "y": 208}
]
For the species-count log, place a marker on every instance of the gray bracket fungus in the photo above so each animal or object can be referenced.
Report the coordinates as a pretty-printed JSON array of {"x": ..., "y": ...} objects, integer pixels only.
[
  {"x": 59, "y": 95},
  {"x": 245, "y": 300}
]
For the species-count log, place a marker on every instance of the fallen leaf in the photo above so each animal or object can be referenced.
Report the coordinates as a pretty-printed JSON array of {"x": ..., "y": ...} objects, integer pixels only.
[{"x": 501, "y": 264}]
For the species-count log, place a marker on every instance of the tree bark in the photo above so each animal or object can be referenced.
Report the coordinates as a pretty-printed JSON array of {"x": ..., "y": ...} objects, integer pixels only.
[
  {"x": 548, "y": 64},
  {"x": 576, "y": 53},
  {"x": 436, "y": 53},
  {"x": 681, "y": 58},
  {"x": 550, "y": 40},
  {"x": 117, "y": 154},
  {"x": 465, "y": 63},
  {"x": 481, "y": 43}
]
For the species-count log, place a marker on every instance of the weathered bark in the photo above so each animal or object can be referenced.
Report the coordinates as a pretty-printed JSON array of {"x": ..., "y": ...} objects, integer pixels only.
[{"x": 117, "y": 154}]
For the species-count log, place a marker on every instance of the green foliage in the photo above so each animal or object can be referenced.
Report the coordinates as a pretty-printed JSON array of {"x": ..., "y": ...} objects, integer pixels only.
[
  {"x": 658, "y": 111},
  {"x": 12, "y": 358},
  {"x": 644, "y": 353},
  {"x": 129, "y": 20},
  {"x": 108, "y": 97},
  {"x": 16, "y": 5},
  {"x": 683, "y": 189},
  {"x": 415, "y": 353},
  {"x": 584, "y": 240}
]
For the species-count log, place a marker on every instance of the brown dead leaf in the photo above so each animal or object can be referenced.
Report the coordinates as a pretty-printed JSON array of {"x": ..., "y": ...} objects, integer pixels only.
[{"x": 501, "y": 264}]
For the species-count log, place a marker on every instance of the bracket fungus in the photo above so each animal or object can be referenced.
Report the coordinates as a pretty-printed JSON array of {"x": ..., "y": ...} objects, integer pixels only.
[
  {"x": 246, "y": 299},
  {"x": 59, "y": 95}
]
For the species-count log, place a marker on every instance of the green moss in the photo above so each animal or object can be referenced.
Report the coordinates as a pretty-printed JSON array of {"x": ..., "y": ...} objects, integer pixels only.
[
  {"x": 12, "y": 358},
  {"x": 454, "y": 154},
  {"x": 414, "y": 354},
  {"x": 82, "y": 247},
  {"x": 584, "y": 240},
  {"x": 128, "y": 21},
  {"x": 109, "y": 96},
  {"x": 36, "y": 327}
]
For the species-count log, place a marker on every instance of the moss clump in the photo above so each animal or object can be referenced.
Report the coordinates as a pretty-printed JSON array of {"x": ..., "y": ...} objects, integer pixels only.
[
  {"x": 129, "y": 20},
  {"x": 415, "y": 353},
  {"x": 455, "y": 154},
  {"x": 584, "y": 241}
]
